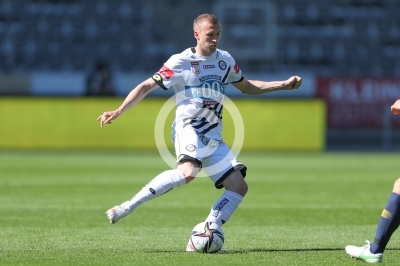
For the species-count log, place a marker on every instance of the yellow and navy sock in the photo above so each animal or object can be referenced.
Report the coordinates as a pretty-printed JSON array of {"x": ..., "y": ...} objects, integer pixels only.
[{"x": 388, "y": 223}]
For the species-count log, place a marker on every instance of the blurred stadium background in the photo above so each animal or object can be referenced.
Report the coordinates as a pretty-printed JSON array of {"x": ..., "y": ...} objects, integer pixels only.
[{"x": 347, "y": 51}]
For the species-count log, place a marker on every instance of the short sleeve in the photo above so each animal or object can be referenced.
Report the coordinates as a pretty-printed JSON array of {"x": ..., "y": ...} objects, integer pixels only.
[
  {"x": 169, "y": 74},
  {"x": 235, "y": 73}
]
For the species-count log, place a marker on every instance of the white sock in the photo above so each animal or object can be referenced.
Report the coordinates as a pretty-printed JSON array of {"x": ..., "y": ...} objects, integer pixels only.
[
  {"x": 224, "y": 207},
  {"x": 159, "y": 185}
]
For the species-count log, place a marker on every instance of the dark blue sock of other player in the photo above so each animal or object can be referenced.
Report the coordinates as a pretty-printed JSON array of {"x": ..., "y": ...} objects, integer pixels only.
[{"x": 388, "y": 223}]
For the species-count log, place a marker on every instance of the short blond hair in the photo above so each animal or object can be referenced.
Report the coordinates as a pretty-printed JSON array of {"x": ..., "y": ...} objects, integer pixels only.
[{"x": 204, "y": 18}]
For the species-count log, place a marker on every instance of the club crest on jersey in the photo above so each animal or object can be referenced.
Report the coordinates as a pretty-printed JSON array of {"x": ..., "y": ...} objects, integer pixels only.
[
  {"x": 195, "y": 68},
  {"x": 222, "y": 65}
]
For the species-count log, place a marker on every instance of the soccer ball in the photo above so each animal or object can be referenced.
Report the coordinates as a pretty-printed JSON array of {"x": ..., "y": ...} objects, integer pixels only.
[{"x": 207, "y": 237}]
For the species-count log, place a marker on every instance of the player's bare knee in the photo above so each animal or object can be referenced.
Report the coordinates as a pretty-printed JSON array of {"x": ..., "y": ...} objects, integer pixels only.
[
  {"x": 189, "y": 178},
  {"x": 235, "y": 182},
  {"x": 189, "y": 174},
  {"x": 189, "y": 169},
  {"x": 243, "y": 189},
  {"x": 240, "y": 189},
  {"x": 396, "y": 186}
]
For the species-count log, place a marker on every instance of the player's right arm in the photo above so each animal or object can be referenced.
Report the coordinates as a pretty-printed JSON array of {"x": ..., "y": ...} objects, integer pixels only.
[
  {"x": 135, "y": 96},
  {"x": 396, "y": 107}
]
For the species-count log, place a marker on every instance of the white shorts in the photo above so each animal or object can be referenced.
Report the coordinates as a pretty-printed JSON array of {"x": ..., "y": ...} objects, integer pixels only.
[{"x": 214, "y": 156}]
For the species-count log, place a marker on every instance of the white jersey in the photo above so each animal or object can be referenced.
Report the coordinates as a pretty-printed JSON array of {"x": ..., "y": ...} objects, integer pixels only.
[{"x": 199, "y": 83}]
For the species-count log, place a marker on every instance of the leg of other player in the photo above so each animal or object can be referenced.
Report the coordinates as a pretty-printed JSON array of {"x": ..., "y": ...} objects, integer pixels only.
[{"x": 388, "y": 223}]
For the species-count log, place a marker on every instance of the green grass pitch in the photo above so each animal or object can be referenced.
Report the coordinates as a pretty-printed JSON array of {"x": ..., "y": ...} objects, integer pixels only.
[{"x": 301, "y": 209}]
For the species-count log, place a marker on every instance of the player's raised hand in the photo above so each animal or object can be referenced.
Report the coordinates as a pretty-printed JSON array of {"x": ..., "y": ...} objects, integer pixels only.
[
  {"x": 294, "y": 82},
  {"x": 396, "y": 107},
  {"x": 107, "y": 117}
]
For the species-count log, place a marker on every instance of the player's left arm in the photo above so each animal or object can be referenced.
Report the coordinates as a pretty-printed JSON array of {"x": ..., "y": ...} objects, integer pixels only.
[{"x": 255, "y": 87}]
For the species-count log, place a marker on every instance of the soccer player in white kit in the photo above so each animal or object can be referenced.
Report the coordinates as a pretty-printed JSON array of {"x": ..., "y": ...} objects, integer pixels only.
[{"x": 199, "y": 76}]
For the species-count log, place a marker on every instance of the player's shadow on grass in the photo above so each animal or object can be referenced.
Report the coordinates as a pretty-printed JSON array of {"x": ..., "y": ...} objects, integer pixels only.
[
  {"x": 243, "y": 251},
  {"x": 286, "y": 250},
  {"x": 280, "y": 250}
]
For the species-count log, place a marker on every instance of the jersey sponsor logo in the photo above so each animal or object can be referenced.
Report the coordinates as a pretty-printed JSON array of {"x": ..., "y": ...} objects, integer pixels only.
[
  {"x": 208, "y": 77},
  {"x": 236, "y": 68},
  {"x": 211, "y": 102},
  {"x": 166, "y": 72},
  {"x": 222, "y": 65},
  {"x": 210, "y": 90},
  {"x": 208, "y": 66},
  {"x": 195, "y": 67}
]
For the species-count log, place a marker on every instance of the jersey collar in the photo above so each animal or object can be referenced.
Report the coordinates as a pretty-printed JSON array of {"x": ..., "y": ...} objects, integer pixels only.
[{"x": 216, "y": 54}]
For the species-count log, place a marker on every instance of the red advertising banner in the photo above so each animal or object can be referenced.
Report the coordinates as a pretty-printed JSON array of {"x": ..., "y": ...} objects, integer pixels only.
[{"x": 359, "y": 102}]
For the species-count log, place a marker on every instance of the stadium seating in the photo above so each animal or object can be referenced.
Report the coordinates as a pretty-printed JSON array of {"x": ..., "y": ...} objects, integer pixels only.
[{"x": 342, "y": 36}]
